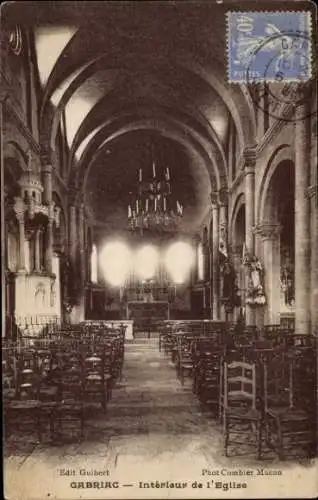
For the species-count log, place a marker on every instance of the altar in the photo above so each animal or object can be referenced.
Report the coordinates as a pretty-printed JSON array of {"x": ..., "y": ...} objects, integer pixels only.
[
  {"x": 146, "y": 315},
  {"x": 116, "y": 324}
]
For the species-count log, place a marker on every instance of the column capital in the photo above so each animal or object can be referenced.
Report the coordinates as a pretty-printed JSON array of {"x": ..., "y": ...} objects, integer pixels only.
[
  {"x": 214, "y": 197},
  {"x": 267, "y": 231},
  {"x": 47, "y": 168},
  {"x": 223, "y": 196},
  {"x": 249, "y": 160}
]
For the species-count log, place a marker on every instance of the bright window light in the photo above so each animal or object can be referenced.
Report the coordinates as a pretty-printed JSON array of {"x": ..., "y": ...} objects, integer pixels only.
[
  {"x": 94, "y": 265},
  {"x": 200, "y": 261},
  {"x": 180, "y": 258},
  {"x": 115, "y": 261},
  {"x": 146, "y": 262}
]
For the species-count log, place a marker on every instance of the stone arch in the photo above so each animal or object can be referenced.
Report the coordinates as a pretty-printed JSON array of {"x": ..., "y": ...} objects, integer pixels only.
[
  {"x": 264, "y": 208},
  {"x": 168, "y": 130},
  {"x": 238, "y": 206},
  {"x": 14, "y": 152},
  {"x": 236, "y": 99}
]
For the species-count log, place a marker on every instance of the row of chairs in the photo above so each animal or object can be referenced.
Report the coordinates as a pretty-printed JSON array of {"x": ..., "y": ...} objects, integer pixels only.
[
  {"x": 53, "y": 383},
  {"x": 266, "y": 386}
]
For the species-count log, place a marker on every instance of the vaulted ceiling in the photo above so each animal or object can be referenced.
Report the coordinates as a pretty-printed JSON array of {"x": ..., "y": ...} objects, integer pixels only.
[{"x": 121, "y": 74}]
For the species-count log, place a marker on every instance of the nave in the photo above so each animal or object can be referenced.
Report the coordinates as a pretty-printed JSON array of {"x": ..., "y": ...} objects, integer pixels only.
[{"x": 154, "y": 428}]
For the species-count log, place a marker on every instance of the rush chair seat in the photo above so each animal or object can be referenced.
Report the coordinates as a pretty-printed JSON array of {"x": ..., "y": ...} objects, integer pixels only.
[{"x": 242, "y": 420}]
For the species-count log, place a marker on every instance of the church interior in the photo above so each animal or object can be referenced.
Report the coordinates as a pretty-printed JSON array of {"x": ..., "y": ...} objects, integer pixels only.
[{"x": 159, "y": 229}]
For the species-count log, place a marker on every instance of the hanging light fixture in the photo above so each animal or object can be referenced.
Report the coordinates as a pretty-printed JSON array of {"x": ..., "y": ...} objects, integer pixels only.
[{"x": 153, "y": 207}]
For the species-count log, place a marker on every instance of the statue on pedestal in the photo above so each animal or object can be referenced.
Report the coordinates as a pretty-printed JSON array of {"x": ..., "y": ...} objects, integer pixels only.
[{"x": 255, "y": 289}]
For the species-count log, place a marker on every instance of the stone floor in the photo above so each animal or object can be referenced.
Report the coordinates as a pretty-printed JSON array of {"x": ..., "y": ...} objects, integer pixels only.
[{"x": 154, "y": 430}]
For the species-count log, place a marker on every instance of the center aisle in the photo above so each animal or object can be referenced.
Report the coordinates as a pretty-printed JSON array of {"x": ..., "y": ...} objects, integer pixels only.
[{"x": 150, "y": 403}]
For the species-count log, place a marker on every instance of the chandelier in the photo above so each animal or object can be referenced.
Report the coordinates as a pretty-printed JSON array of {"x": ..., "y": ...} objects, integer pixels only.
[{"x": 153, "y": 207}]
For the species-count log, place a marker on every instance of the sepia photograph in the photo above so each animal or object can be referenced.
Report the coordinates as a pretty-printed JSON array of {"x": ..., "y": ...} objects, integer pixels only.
[{"x": 159, "y": 249}]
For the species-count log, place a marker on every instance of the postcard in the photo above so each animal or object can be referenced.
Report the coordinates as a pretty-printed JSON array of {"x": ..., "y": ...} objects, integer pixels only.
[{"x": 159, "y": 249}]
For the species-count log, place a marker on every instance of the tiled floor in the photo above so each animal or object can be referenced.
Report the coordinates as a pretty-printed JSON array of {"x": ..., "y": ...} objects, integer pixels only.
[{"x": 154, "y": 429}]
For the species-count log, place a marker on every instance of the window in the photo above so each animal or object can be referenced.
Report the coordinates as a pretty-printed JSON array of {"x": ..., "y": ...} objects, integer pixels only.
[
  {"x": 200, "y": 262},
  {"x": 94, "y": 265}
]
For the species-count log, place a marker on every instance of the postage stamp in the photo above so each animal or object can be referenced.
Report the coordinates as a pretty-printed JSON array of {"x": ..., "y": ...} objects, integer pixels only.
[{"x": 269, "y": 46}]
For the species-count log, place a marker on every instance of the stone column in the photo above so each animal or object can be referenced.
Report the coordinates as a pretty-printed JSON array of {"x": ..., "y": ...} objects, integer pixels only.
[
  {"x": 73, "y": 234},
  {"x": 4, "y": 262},
  {"x": 20, "y": 218},
  {"x": 269, "y": 234},
  {"x": 249, "y": 171},
  {"x": 81, "y": 245},
  {"x": 215, "y": 257},
  {"x": 313, "y": 194},
  {"x": 81, "y": 239},
  {"x": 223, "y": 228},
  {"x": 37, "y": 250},
  {"x": 302, "y": 224},
  {"x": 47, "y": 184},
  {"x": 49, "y": 245}
]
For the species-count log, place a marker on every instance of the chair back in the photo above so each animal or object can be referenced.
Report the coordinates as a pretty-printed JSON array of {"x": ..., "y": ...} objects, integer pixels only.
[
  {"x": 239, "y": 384},
  {"x": 278, "y": 380}
]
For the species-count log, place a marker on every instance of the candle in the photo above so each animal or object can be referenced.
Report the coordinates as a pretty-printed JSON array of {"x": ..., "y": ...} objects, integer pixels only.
[
  {"x": 147, "y": 202},
  {"x": 168, "y": 174},
  {"x": 137, "y": 206},
  {"x": 155, "y": 204},
  {"x": 154, "y": 169},
  {"x": 140, "y": 175},
  {"x": 164, "y": 204},
  {"x": 129, "y": 211}
]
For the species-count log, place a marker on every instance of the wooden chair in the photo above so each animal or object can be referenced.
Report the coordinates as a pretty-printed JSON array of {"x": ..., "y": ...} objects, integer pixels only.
[
  {"x": 289, "y": 420},
  {"x": 210, "y": 379},
  {"x": 70, "y": 409},
  {"x": 184, "y": 359},
  {"x": 241, "y": 417},
  {"x": 93, "y": 379},
  {"x": 24, "y": 410}
]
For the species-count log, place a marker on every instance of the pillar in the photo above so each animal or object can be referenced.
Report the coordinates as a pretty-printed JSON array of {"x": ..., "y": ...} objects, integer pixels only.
[
  {"x": 3, "y": 239},
  {"x": 81, "y": 239},
  {"x": 313, "y": 194},
  {"x": 249, "y": 188},
  {"x": 269, "y": 234},
  {"x": 223, "y": 230},
  {"x": 37, "y": 250},
  {"x": 20, "y": 218},
  {"x": 81, "y": 245},
  {"x": 47, "y": 184},
  {"x": 49, "y": 245},
  {"x": 215, "y": 258},
  {"x": 73, "y": 234},
  {"x": 302, "y": 224}
]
